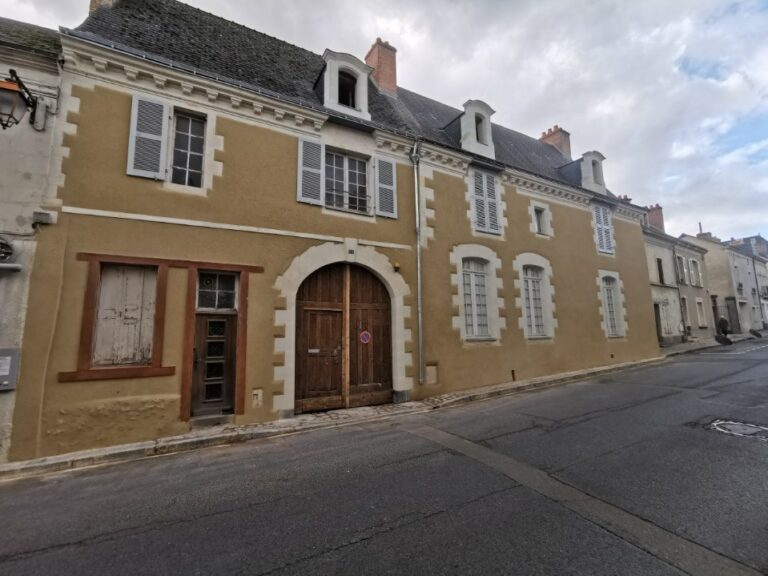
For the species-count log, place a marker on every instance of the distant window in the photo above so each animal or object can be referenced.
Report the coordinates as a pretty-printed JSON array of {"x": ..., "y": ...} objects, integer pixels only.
[
  {"x": 597, "y": 172},
  {"x": 480, "y": 129},
  {"x": 695, "y": 273},
  {"x": 660, "y": 268},
  {"x": 347, "y": 87},
  {"x": 539, "y": 219},
  {"x": 682, "y": 276}
]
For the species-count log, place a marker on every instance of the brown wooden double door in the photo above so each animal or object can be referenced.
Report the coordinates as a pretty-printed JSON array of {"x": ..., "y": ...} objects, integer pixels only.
[{"x": 343, "y": 340}]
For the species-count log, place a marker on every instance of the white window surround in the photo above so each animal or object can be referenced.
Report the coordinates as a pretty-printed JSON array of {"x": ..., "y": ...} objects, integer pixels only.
[
  {"x": 701, "y": 314},
  {"x": 622, "y": 326},
  {"x": 483, "y": 228},
  {"x": 682, "y": 270},
  {"x": 474, "y": 110},
  {"x": 602, "y": 223},
  {"x": 547, "y": 294},
  {"x": 336, "y": 62},
  {"x": 546, "y": 219},
  {"x": 695, "y": 267},
  {"x": 494, "y": 284},
  {"x": 592, "y": 172},
  {"x": 287, "y": 286}
]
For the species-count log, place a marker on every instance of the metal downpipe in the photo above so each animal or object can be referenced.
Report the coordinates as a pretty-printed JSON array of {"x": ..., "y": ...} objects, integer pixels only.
[{"x": 419, "y": 310}]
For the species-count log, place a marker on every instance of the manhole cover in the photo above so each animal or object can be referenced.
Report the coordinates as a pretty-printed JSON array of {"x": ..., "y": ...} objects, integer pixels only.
[{"x": 740, "y": 429}]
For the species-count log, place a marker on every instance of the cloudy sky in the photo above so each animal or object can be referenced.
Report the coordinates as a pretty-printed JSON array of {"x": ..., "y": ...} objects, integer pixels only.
[{"x": 673, "y": 92}]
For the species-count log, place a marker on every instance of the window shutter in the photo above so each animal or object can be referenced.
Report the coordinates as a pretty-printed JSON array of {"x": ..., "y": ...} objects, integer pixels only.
[
  {"x": 608, "y": 229},
  {"x": 479, "y": 199},
  {"x": 599, "y": 227},
  {"x": 310, "y": 186},
  {"x": 386, "y": 188},
  {"x": 493, "y": 204},
  {"x": 126, "y": 315},
  {"x": 148, "y": 144}
]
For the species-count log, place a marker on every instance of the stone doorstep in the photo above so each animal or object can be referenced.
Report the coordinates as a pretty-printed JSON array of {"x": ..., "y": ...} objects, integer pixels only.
[{"x": 231, "y": 434}]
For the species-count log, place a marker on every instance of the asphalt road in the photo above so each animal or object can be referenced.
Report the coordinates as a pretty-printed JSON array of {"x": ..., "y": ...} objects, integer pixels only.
[{"x": 618, "y": 475}]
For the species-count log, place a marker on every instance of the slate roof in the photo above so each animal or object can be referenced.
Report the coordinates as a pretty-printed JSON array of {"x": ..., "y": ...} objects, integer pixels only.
[
  {"x": 185, "y": 37},
  {"x": 29, "y": 37}
]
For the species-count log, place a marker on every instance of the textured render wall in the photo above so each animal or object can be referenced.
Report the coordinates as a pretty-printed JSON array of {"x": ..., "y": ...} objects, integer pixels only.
[
  {"x": 257, "y": 188},
  {"x": 24, "y": 166},
  {"x": 579, "y": 339}
]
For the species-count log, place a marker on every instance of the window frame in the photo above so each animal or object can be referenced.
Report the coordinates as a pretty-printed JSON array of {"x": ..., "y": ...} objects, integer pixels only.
[
  {"x": 236, "y": 292},
  {"x": 534, "y": 315},
  {"x": 347, "y": 156},
  {"x": 695, "y": 268},
  {"x": 548, "y": 305},
  {"x": 619, "y": 305},
  {"x": 474, "y": 305},
  {"x": 543, "y": 227},
  {"x": 682, "y": 270},
  {"x": 494, "y": 300},
  {"x": 175, "y": 114},
  {"x": 701, "y": 313},
  {"x": 86, "y": 370}
]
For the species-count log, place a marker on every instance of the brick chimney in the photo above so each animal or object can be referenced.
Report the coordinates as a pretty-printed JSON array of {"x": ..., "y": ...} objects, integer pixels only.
[
  {"x": 96, "y": 4},
  {"x": 656, "y": 217},
  {"x": 382, "y": 57},
  {"x": 558, "y": 138}
]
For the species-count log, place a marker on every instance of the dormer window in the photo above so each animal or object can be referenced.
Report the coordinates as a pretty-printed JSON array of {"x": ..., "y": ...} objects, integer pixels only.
[
  {"x": 347, "y": 87},
  {"x": 592, "y": 172},
  {"x": 345, "y": 84},
  {"x": 480, "y": 129},
  {"x": 597, "y": 171},
  {"x": 476, "y": 133}
]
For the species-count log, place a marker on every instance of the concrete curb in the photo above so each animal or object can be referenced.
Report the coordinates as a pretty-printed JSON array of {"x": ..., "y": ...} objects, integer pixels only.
[{"x": 231, "y": 434}]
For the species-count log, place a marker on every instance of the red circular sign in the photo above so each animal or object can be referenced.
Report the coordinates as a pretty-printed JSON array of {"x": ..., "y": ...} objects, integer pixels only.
[{"x": 365, "y": 337}]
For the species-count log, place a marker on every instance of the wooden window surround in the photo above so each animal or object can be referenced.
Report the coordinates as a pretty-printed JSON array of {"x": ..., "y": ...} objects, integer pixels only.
[{"x": 86, "y": 372}]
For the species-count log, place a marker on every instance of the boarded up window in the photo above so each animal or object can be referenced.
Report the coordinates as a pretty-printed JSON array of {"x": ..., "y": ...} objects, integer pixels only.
[{"x": 125, "y": 316}]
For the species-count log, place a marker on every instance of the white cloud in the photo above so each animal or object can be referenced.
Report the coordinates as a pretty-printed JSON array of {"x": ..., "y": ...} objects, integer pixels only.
[{"x": 609, "y": 72}]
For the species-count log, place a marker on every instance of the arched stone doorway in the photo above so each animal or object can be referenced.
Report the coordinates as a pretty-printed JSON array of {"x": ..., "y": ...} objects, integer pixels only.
[{"x": 343, "y": 339}]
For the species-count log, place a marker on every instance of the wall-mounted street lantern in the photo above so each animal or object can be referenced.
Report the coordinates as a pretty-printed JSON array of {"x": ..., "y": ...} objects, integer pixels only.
[{"x": 15, "y": 99}]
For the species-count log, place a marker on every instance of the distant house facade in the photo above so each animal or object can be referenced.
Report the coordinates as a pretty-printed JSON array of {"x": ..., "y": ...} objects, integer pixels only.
[
  {"x": 733, "y": 282},
  {"x": 27, "y": 192},
  {"x": 677, "y": 271},
  {"x": 249, "y": 231}
]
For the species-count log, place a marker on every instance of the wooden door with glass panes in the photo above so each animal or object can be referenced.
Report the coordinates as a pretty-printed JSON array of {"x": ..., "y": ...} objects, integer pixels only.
[{"x": 213, "y": 389}]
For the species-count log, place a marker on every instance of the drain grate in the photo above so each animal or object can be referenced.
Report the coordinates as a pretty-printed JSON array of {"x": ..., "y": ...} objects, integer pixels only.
[{"x": 740, "y": 429}]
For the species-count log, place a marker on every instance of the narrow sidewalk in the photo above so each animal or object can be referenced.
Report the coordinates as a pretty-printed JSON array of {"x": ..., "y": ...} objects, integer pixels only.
[{"x": 230, "y": 434}]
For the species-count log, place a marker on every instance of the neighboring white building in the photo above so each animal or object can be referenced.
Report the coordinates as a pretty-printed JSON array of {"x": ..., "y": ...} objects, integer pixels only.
[
  {"x": 25, "y": 166},
  {"x": 660, "y": 254}
]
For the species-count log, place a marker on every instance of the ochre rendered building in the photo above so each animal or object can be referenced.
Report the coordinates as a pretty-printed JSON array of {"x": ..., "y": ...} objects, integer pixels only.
[{"x": 244, "y": 225}]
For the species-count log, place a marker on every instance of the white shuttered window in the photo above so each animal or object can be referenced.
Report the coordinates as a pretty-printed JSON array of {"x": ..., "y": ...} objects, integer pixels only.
[
  {"x": 603, "y": 228},
  {"x": 310, "y": 187},
  {"x": 148, "y": 144},
  {"x": 485, "y": 200},
  {"x": 125, "y": 316},
  {"x": 386, "y": 188}
]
